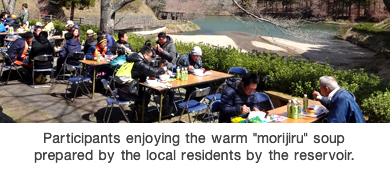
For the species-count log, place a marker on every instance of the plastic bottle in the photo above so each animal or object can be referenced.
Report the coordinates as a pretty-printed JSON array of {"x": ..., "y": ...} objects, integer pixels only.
[
  {"x": 98, "y": 58},
  {"x": 305, "y": 103},
  {"x": 182, "y": 75},
  {"x": 289, "y": 109},
  {"x": 186, "y": 74},
  {"x": 177, "y": 73},
  {"x": 299, "y": 109},
  {"x": 295, "y": 111}
]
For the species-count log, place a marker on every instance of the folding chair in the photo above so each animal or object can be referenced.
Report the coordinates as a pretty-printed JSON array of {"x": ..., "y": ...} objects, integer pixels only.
[
  {"x": 215, "y": 107},
  {"x": 217, "y": 95},
  {"x": 9, "y": 67},
  {"x": 192, "y": 106},
  {"x": 75, "y": 56},
  {"x": 43, "y": 58},
  {"x": 112, "y": 78},
  {"x": 262, "y": 97},
  {"x": 237, "y": 70},
  {"x": 113, "y": 100},
  {"x": 80, "y": 79}
]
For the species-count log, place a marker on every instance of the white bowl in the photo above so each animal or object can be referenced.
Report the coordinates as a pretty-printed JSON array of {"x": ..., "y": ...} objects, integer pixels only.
[
  {"x": 152, "y": 81},
  {"x": 198, "y": 71},
  {"x": 164, "y": 77},
  {"x": 317, "y": 109}
]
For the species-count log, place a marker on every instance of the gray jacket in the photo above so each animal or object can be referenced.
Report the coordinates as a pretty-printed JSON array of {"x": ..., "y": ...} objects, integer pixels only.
[
  {"x": 23, "y": 16},
  {"x": 169, "y": 52}
]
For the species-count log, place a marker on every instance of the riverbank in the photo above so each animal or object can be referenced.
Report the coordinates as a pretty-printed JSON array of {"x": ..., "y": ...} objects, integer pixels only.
[{"x": 339, "y": 54}]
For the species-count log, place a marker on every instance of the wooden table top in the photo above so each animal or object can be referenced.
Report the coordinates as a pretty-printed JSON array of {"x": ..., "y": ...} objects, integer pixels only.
[
  {"x": 94, "y": 63},
  {"x": 10, "y": 40},
  {"x": 57, "y": 38},
  {"x": 304, "y": 119},
  {"x": 194, "y": 80},
  {"x": 6, "y": 33}
]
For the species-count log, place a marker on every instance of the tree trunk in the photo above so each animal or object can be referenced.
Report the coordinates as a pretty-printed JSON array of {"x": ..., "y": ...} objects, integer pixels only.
[
  {"x": 358, "y": 8},
  {"x": 107, "y": 14},
  {"x": 72, "y": 11},
  {"x": 9, "y": 6},
  {"x": 387, "y": 3},
  {"x": 350, "y": 8}
]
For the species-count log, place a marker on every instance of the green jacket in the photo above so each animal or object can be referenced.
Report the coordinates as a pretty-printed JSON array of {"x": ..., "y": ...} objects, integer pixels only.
[{"x": 23, "y": 16}]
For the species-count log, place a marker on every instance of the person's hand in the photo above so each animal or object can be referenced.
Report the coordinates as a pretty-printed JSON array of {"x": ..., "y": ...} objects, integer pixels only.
[
  {"x": 128, "y": 50},
  {"x": 7, "y": 26},
  {"x": 155, "y": 47},
  {"x": 256, "y": 109},
  {"x": 121, "y": 45},
  {"x": 165, "y": 68},
  {"x": 190, "y": 68},
  {"x": 245, "y": 109},
  {"x": 317, "y": 95},
  {"x": 160, "y": 49}
]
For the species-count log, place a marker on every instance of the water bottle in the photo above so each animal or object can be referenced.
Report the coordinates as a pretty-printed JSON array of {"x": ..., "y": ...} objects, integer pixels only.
[
  {"x": 98, "y": 58},
  {"x": 186, "y": 74},
  {"x": 295, "y": 111},
  {"x": 299, "y": 109},
  {"x": 289, "y": 109},
  {"x": 305, "y": 103},
  {"x": 177, "y": 73},
  {"x": 182, "y": 75}
]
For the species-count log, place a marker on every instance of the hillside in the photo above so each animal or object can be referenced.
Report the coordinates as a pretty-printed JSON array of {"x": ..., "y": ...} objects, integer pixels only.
[{"x": 385, "y": 25}]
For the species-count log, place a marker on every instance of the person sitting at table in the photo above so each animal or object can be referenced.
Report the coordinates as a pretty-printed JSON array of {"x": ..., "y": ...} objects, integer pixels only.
[
  {"x": 8, "y": 22},
  {"x": 148, "y": 43},
  {"x": 340, "y": 102},
  {"x": 109, "y": 38},
  {"x": 191, "y": 61},
  {"x": 120, "y": 59},
  {"x": 4, "y": 16},
  {"x": 102, "y": 50},
  {"x": 2, "y": 27},
  {"x": 42, "y": 47},
  {"x": 121, "y": 43},
  {"x": 17, "y": 51},
  {"x": 168, "y": 103},
  {"x": 23, "y": 28},
  {"x": 71, "y": 46},
  {"x": 166, "y": 49},
  {"x": 91, "y": 41},
  {"x": 37, "y": 30},
  {"x": 49, "y": 26},
  {"x": 70, "y": 25},
  {"x": 239, "y": 98},
  {"x": 141, "y": 69},
  {"x": 16, "y": 24}
]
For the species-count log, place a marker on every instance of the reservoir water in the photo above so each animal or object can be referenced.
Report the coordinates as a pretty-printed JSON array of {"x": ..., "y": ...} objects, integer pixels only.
[{"x": 216, "y": 25}]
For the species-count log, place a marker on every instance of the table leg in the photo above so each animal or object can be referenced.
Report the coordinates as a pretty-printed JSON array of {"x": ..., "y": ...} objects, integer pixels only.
[
  {"x": 93, "y": 82},
  {"x": 161, "y": 102},
  {"x": 143, "y": 104}
]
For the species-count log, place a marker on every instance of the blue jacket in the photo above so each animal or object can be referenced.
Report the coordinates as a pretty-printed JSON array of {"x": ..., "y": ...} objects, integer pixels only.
[
  {"x": 2, "y": 28},
  {"x": 91, "y": 51},
  {"x": 16, "y": 49},
  {"x": 72, "y": 45},
  {"x": 186, "y": 60},
  {"x": 110, "y": 41},
  {"x": 233, "y": 98},
  {"x": 343, "y": 108}
]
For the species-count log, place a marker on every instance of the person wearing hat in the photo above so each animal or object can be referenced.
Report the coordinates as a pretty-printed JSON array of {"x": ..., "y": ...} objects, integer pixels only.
[
  {"x": 23, "y": 16},
  {"x": 102, "y": 50},
  {"x": 49, "y": 26},
  {"x": 71, "y": 25},
  {"x": 191, "y": 61},
  {"x": 166, "y": 49},
  {"x": 17, "y": 50},
  {"x": 110, "y": 39},
  {"x": 16, "y": 24},
  {"x": 8, "y": 23},
  {"x": 91, "y": 41},
  {"x": 39, "y": 24}
]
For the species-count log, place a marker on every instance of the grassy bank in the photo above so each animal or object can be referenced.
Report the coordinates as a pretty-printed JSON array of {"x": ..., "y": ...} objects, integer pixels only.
[{"x": 180, "y": 28}]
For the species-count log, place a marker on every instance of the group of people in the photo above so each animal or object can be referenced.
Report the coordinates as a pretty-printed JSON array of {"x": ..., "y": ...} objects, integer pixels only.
[{"x": 16, "y": 22}]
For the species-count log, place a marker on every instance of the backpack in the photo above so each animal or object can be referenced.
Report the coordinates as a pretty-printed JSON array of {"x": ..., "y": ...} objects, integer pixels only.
[{"x": 123, "y": 75}]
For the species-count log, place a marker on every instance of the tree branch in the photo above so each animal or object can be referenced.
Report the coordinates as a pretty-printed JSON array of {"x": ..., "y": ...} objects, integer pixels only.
[{"x": 118, "y": 5}]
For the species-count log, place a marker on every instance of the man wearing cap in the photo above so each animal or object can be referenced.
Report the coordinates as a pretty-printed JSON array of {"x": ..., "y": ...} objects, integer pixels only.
[
  {"x": 109, "y": 38},
  {"x": 102, "y": 50},
  {"x": 166, "y": 49},
  {"x": 71, "y": 24},
  {"x": 91, "y": 41},
  {"x": 23, "y": 16},
  {"x": 49, "y": 26},
  {"x": 191, "y": 61},
  {"x": 17, "y": 50}
]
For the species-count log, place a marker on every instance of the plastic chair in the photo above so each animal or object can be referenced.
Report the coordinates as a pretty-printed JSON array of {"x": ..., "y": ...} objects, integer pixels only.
[
  {"x": 217, "y": 95},
  {"x": 262, "y": 97},
  {"x": 75, "y": 56},
  {"x": 9, "y": 67},
  {"x": 43, "y": 58},
  {"x": 192, "y": 106},
  {"x": 113, "y": 100},
  {"x": 237, "y": 70},
  {"x": 215, "y": 107}
]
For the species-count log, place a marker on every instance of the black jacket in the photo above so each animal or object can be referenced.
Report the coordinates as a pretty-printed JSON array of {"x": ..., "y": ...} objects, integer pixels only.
[
  {"x": 233, "y": 98},
  {"x": 88, "y": 44},
  {"x": 117, "y": 44},
  {"x": 141, "y": 68},
  {"x": 42, "y": 47},
  {"x": 169, "y": 52}
]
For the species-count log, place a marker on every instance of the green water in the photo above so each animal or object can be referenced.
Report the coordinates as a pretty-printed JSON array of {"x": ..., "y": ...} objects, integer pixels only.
[{"x": 216, "y": 25}]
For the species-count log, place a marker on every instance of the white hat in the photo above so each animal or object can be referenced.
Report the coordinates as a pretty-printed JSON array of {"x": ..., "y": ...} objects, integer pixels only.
[
  {"x": 196, "y": 51},
  {"x": 39, "y": 24},
  {"x": 69, "y": 23}
]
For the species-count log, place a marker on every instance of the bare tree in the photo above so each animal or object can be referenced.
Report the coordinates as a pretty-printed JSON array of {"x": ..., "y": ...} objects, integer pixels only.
[
  {"x": 194, "y": 8},
  {"x": 9, "y": 5},
  {"x": 156, "y": 5},
  {"x": 107, "y": 14}
]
